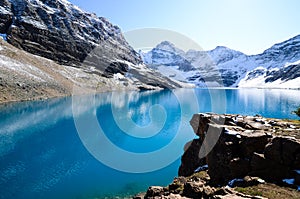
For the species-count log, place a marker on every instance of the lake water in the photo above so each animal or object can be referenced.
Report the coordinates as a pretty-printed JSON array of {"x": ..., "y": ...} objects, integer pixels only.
[{"x": 112, "y": 144}]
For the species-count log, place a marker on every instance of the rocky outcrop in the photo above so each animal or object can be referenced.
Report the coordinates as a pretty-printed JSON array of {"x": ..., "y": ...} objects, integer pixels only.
[
  {"x": 197, "y": 186},
  {"x": 246, "y": 145},
  {"x": 234, "y": 154}
]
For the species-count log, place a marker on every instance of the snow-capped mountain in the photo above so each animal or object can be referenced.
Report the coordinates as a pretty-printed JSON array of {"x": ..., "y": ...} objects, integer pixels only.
[
  {"x": 60, "y": 31},
  {"x": 280, "y": 54},
  {"x": 222, "y": 66},
  {"x": 167, "y": 54}
]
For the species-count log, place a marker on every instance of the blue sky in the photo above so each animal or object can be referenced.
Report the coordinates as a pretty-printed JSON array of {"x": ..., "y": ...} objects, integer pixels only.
[{"x": 250, "y": 26}]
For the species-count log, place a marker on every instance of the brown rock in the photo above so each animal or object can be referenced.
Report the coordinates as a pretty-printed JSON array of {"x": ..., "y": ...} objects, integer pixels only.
[
  {"x": 199, "y": 123},
  {"x": 177, "y": 185},
  {"x": 154, "y": 191},
  {"x": 267, "y": 169},
  {"x": 283, "y": 150},
  {"x": 238, "y": 146},
  {"x": 193, "y": 189},
  {"x": 223, "y": 191},
  {"x": 218, "y": 161},
  {"x": 225, "y": 161},
  {"x": 253, "y": 142},
  {"x": 208, "y": 191},
  {"x": 190, "y": 160},
  {"x": 256, "y": 126},
  {"x": 239, "y": 167}
]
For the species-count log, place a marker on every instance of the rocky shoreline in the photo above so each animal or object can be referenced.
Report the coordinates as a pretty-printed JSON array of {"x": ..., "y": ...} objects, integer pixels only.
[{"x": 237, "y": 157}]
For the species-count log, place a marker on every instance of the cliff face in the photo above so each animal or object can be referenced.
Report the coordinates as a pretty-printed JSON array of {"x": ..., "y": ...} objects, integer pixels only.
[
  {"x": 60, "y": 31},
  {"x": 253, "y": 146}
]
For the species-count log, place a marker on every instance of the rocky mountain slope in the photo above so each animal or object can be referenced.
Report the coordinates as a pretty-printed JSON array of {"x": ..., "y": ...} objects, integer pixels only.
[
  {"x": 276, "y": 67},
  {"x": 24, "y": 76},
  {"x": 60, "y": 31}
]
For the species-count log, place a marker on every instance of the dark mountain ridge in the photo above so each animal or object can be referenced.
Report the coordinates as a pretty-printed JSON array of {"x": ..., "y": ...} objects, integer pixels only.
[{"x": 60, "y": 31}]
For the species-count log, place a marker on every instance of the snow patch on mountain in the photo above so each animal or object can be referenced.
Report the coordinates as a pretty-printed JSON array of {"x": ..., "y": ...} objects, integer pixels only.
[
  {"x": 277, "y": 66},
  {"x": 287, "y": 76}
]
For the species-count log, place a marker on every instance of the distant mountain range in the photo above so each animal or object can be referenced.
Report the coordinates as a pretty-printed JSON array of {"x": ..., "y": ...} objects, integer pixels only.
[
  {"x": 276, "y": 67},
  {"x": 49, "y": 46}
]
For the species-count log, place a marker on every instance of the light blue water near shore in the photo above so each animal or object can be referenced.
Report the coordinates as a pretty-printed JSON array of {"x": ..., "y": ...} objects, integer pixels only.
[{"x": 42, "y": 155}]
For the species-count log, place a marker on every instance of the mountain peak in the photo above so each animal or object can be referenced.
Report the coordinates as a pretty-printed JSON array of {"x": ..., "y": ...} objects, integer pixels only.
[
  {"x": 166, "y": 45},
  {"x": 224, "y": 48},
  {"x": 169, "y": 47}
]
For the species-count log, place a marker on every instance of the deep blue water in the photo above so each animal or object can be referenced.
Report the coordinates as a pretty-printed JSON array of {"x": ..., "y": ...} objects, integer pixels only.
[{"x": 112, "y": 144}]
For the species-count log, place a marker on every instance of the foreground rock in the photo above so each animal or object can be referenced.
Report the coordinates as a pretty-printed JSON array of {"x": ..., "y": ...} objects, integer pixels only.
[
  {"x": 196, "y": 186},
  {"x": 243, "y": 145},
  {"x": 238, "y": 157},
  {"x": 199, "y": 186}
]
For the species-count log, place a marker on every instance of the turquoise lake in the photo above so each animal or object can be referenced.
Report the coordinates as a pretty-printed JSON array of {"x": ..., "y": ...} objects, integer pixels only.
[{"x": 113, "y": 144}]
